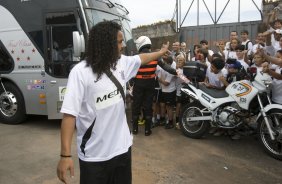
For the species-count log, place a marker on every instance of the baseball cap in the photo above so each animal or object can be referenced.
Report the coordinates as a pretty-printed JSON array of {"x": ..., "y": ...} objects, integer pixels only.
[{"x": 236, "y": 65}]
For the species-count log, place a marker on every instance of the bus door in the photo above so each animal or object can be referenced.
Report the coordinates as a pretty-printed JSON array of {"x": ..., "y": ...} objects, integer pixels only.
[{"x": 59, "y": 59}]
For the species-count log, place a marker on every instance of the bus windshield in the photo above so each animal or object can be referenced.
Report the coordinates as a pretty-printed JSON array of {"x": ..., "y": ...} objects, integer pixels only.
[{"x": 94, "y": 16}]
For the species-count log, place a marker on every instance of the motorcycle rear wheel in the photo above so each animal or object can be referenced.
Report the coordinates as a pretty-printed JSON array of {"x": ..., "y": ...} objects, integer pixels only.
[
  {"x": 193, "y": 129},
  {"x": 272, "y": 147}
]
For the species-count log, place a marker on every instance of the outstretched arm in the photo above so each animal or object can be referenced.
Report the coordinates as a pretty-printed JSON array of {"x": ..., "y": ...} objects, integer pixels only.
[
  {"x": 273, "y": 60},
  {"x": 272, "y": 73},
  {"x": 166, "y": 67},
  {"x": 147, "y": 57}
]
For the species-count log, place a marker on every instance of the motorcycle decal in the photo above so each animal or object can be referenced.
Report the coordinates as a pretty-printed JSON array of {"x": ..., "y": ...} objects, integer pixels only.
[
  {"x": 242, "y": 88},
  {"x": 243, "y": 100},
  {"x": 205, "y": 97}
]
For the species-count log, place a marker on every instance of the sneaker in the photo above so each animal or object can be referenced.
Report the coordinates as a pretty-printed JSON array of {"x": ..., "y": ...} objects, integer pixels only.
[
  {"x": 141, "y": 122},
  {"x": 177, "y": 126},
  {"x": 148, "y": 132}
]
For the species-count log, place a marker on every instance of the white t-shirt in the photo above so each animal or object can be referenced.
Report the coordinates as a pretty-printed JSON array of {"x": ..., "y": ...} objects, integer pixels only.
[
  {"x": 244, "y": 64},
  {"x": 88, "y": 100},
  {"x": 254, "y": 48},
  {"x": 168, "y": 78},
  {"x": 250, "y": 46},
  {"x": 214, "y": 78},
  {"x": 277, "y": 87},
  {"x": 230, "y": 54}
]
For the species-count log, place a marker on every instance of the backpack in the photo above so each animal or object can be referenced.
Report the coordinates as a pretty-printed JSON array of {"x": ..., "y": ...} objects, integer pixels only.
[{"x": 246, "y": 45}]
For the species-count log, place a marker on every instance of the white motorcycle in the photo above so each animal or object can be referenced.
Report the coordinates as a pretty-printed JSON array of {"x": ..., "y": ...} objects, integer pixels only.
[{"x": 230, "y": 108}]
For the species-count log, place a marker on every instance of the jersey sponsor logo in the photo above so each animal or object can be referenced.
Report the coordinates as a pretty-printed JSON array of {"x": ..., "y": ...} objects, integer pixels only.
[
  {"x": 107, "y": 96},
  {"x": 104, "y": 100}
]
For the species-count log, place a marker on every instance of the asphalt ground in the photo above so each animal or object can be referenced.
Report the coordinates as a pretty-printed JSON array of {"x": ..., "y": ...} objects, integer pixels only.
[{"x": 30, "y": 152}]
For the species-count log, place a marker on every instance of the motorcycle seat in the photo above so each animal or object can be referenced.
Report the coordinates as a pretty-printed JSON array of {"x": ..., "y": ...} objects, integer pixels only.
[{"x": 215, "y": 93}]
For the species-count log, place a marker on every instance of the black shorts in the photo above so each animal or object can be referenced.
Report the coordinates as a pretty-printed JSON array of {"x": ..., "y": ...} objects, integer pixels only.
[
  {"x": 178, "y": 99},
  {"x": 157, "y": 95},
  {"x": 114, "y": 171},
  {"x": 168, "y": 98}
]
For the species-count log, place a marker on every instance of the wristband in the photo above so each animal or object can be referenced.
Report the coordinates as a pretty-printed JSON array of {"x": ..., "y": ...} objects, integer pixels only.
[{"x": 66, "y": 156}]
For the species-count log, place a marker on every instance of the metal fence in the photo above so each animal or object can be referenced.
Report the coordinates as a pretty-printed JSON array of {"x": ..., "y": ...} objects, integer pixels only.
[{"x": 212, "y": 33}]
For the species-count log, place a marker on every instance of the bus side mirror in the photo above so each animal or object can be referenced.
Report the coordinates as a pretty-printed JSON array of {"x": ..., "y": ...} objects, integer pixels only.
[{"x": 78, "y": 44}]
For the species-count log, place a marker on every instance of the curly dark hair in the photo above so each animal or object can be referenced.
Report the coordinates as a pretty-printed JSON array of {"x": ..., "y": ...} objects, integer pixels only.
[{"x": 102, "y": 48}]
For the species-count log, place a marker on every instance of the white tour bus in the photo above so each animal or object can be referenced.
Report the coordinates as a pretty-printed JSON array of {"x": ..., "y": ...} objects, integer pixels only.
[{"x": 40, "y": 40}]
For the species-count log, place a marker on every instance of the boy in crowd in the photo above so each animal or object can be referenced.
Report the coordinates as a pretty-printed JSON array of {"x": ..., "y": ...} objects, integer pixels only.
[
  {"x": 205, "y": 45},
  {"x": 202, "y": 57},
  {"x": 242, "y": 57},
  {"x": 233, "y": 35},
  {"x": 214, "y": 73},
  {"x": 168, "y": 95},
  {"x": 236, "y": 72},
  {"x": 248, "y": 45}
]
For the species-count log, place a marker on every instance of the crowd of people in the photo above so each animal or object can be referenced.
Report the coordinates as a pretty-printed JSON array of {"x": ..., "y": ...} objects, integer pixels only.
[{"x": 225, "y": 64}]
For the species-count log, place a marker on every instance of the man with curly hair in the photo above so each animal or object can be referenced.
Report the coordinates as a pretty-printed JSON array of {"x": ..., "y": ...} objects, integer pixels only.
[{"x": 95, "y": 106}]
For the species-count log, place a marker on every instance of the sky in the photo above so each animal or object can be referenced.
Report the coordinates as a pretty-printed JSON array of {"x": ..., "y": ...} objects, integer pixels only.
[{"x": 146, "y": 12}]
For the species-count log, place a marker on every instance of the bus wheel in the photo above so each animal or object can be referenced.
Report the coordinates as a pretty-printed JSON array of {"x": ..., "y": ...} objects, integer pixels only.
[{"x": 12, "y": 107}]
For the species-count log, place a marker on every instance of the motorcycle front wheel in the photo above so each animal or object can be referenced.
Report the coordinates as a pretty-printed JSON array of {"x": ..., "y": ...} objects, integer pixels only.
[
  {"x": 272, "y": 147},
  {"x": 193, "y": 129}
]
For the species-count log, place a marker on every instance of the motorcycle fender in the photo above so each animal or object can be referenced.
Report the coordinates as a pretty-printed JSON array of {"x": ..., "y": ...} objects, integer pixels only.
[
  {"x": 190, "y": 93},
  {"x": 268, "y": 108}
]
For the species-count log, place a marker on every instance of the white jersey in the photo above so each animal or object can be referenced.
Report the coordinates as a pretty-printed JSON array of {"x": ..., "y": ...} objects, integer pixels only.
[
  {"x": 168, "y": 78},
  {"x": 89, "y": 100}
]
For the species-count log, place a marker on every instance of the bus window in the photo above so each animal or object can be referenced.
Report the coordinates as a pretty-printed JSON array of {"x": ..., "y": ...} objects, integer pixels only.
[
  {"x": 6, "y": 61},
  {"x": 60, "y": 59}
]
